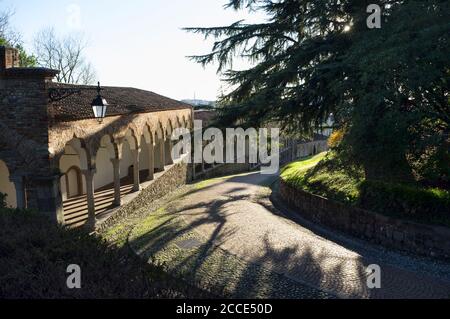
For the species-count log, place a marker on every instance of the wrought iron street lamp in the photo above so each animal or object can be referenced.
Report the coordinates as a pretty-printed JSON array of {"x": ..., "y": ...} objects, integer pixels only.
[{"x": 99, "y": 106}]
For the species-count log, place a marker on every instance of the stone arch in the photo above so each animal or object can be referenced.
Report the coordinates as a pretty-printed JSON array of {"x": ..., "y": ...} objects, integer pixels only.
[
  {"x": 159, "y": 132},
  {"x": 148, "y": 151},
  {"x": 74, "y": 155},
  {"x": 178, "y": 122},
  {"x": 186, "y": 122},
  {"x": 145, "y": 158},
  {"x": 129, "y": 156},
  {"x": 58, "y": 144},
  {"x": 189, "y": 122},
  {"x": 132, "y": 137},
  {"x": 74, "y": 147},
  {"x": 106, "y": 151},
  {"x": 168, "y": 143},
  {"x": 97, "y": 141},
  {"x": 72, "y": 185},
  {"x": 148, "y": 134},
  {"x": 6, "y": 186},
  {"x": 168, "y": 128},
  {"x": 107, "y": 141}
]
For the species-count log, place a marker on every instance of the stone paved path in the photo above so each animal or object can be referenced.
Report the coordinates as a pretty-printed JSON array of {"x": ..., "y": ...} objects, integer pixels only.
[{"x": 236, "y": 215}]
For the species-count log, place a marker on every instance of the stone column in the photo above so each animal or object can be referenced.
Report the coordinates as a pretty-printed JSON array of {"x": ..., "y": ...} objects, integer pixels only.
[
  {"x": 89, "y": 176},
  {"x": 163, "y": 154},
  {"x": 151, "y": 161},
  {"x": 116, "y": 171},
  {"x": 168, "y": 152},
  {"x": 136, "y": 182},
  {"x": 19, "y": 185},
  {"x": 159, "y": 160}
]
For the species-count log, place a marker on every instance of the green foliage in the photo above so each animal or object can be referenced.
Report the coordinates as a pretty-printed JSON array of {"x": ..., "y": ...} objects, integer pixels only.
[
  {"x": 399, "y": 86},
  {"x": 295, "y": 171},
  {"x": 9, "y": 38},
  {"x": 430, "y": 205},
  {"x": 34, "y": 255},
  {"x": 430, "y": 156},
  {"x": 334, "y": 178},
  {"x": 204, "y": 107},
  {"x": 26, "y": 60},
  {"x": 326, "y": 176},
  {"x": 382, "y": 84},
  {"x": 295, "y": 56}
]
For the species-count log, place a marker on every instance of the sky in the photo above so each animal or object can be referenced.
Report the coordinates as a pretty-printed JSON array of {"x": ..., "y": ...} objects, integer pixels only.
[{"x": 136, "y": 43}]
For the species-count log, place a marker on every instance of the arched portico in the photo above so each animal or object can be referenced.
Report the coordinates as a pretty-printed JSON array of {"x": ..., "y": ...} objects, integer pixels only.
[
  {"x": 112, "y": 162},
  {"x": 71, "y": 163},
  {"x": 52, "y": 148},
  {"x": 104, "y": 167},
  {"x": 129, "y": 163},
  {"x": 108, "y": 171},
  {"x": 72, "y": 183},
  {"x": 76, "y": 180}
]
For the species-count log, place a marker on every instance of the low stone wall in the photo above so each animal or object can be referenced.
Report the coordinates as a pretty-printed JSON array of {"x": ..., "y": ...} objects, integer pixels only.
[
  {"x": 311, "y": 148},
  {"x": 176, "y": 176},
  {"x": 426, "y": 240},
  {"x": 224, "y": 170},
  {"x": 287, "y": 155}
]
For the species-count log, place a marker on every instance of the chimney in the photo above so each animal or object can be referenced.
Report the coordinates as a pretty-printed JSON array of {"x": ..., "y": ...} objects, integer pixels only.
[{"x": 9, "y": 58}]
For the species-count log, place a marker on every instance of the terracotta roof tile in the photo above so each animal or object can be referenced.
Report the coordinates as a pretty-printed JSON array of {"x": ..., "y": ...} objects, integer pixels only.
[{"x": 121, "y": 100}]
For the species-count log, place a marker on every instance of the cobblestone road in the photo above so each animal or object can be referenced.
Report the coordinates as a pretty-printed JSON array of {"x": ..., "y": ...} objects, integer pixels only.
[{"x": 236, "y": 215}]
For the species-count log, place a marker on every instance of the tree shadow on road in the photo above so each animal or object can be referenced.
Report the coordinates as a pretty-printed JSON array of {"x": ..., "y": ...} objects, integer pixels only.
[
  {"x": 273, "y": 273},
  {"x": 301, "y": 269}
]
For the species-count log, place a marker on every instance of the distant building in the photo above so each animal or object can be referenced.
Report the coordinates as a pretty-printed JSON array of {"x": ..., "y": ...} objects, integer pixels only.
[{"x": 198, "y": 103}]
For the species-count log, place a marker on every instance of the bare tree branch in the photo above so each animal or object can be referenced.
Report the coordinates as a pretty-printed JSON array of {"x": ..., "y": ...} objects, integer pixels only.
[
  {"x": 7, "y": 34},
  {"x": 64, "y": 54}
]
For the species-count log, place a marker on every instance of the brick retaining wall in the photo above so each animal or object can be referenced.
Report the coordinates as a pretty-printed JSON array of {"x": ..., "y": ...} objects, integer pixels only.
[{"x": 433, "y": 241}]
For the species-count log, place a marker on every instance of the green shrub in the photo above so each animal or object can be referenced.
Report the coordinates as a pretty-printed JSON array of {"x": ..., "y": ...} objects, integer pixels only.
[
  {"x": 405, "y": 201},
  {"x": 35, "y": 253},
  {"x": 325, "y": 175},
  {"x": 336, "y": 179},
  {"x": 293, "y": 173}
]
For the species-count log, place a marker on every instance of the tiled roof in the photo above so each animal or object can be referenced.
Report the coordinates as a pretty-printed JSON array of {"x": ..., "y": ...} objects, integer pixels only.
[
  {"x": 30, "y": 72},
  {"x": 121, "y": 100}
]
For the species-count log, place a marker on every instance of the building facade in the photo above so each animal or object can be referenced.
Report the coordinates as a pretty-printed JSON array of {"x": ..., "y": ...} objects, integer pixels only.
[{"x": 53, "y": 151}]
